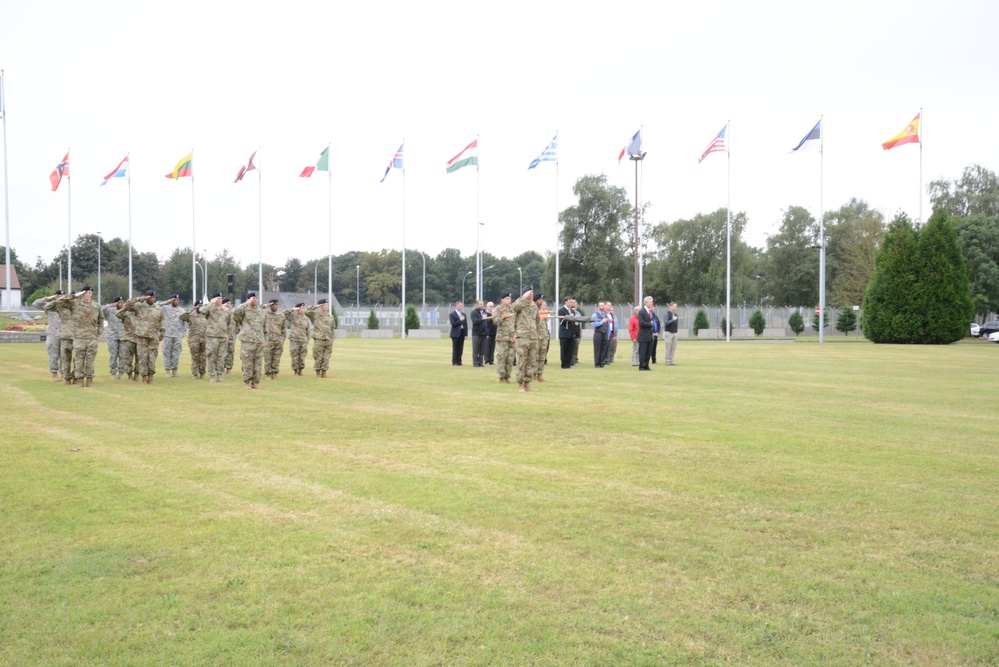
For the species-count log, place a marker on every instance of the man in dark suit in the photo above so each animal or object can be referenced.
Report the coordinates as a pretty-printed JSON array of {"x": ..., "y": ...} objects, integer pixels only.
[
  {"x": 491, "y": 337},
  {"x": 480, "y": 334},
  {"x": 646, "y": 334},
  {"x": 577, "y": 331},
  {"x": 566, "y": 329},
  {"x": 459, "y": 332}
]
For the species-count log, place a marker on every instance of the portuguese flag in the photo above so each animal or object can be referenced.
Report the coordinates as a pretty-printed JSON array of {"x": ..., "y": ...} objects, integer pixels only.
[
  {"x": 322, "y": 165},
  {"x": 469, "y": 156},
  {"x": 910, "y": 135},
  {"x": 184, "y": 168}
]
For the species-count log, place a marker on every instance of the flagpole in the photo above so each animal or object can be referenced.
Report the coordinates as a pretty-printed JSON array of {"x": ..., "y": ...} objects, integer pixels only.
[
  {"x": 128, "y": 156},
  {"x": 194, "y": 240},
  {"x": 260, "y": 226},
  {"x": 920, "y": 165},
  {"x": 402, "y": 328},
  {"x": 822, "y": 234},
  {"x": 728, "y": 234},
  {"x": 69, "y": 229},
  {"x": 329, "y": 277},
  {"x": 557, "y": 300},
  {"x": 6, "y": 192},
  {"x": 478, "y": 224}
]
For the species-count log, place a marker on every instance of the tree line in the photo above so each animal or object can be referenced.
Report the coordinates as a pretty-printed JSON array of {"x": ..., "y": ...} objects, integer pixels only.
[{"x": 683, "y": 260}]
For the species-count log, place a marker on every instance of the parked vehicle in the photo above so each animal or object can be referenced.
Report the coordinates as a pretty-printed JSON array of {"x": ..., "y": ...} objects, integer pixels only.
[
  {"x": 994, "y": 338},
  {"x": 988, "y": 328},
  {"x": 975, "y": 330}
]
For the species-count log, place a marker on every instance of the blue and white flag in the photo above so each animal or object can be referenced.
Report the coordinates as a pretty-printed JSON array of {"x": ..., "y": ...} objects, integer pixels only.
[
  {"x": 394, "y": 163},
  {"x": 549, "y": 154},
  {"x": 812, "y": 139}
]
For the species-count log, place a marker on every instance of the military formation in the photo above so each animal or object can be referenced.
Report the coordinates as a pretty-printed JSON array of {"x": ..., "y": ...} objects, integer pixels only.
[{"x": 134, "y": 331}]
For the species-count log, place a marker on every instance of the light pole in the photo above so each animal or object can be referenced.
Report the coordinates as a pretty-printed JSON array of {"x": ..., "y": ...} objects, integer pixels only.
[
  {"x": 463, "y": 285},
  {"x": 99, "y": 269},
  {"x": 481, "y": 291},
  {"x": 423, "y": 313},
  {"x": 204, "y": 273},
  {"x": 60, "y": 274},
  {"x": 521, "y": 280},
  {"x": 357, "y": 297}
]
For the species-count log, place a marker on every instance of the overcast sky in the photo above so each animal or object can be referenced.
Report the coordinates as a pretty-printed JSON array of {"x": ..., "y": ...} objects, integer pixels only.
[{"x": 156, "y": 80}]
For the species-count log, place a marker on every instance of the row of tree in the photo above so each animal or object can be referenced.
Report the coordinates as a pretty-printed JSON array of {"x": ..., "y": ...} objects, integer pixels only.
[{"x": 684, "y": 260}]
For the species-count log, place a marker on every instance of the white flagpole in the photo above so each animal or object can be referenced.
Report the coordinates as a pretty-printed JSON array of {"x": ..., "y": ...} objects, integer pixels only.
[
  {"x": 920, "y": 165},
  {"x": 6, "y": 192},
  {"x": 822, "y": 235},
  {"x": 128, "y": 157},
  {"x": 728, "y": 234},
  {"x": 329, "y": 277},
  {"x": 478, "y": 225},
  {"x": 402, "y": 328},
  {"x": 260, "y": 226},
  {"x": 69, "y": 230},
  {"x": 558, "y": 302},
  {"x": 194, "y": 240}
]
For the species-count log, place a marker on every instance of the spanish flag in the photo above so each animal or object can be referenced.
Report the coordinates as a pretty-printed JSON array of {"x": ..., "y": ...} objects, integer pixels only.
[
  {"x": 910, "y": 135},
  {"x": 184, "y": 168}
]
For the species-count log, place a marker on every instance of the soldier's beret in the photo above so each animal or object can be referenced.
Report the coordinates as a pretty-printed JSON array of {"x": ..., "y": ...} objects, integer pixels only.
[
  {"x": 59, "y": 292},
  {"x": 225, "y": 301},
  {"x": 527, "y": 289},
  {"x": 539, "y": 297},
  {"x": 322, "y": 301},
  {"x": 197, "y": 303},
  {"x": 149, "y": 292},
  {"x": 505, "y": 295},
  {"x": 117, "y": 299},
  {"x": 87, "y": 288},
  {"x": 251, "y": 295},
  {"x": 272, "y": 301},
  {"x": 219, "y": 294},
  {"x": 174, "y": 296},
  {"x": 299, "y": 305}
]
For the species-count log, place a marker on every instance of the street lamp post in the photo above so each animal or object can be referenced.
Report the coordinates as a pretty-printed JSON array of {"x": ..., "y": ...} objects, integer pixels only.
[
  {"x": 357, "y": 297},
  {"x": 481, "y": 291},
  {"x": 204, "y": 273},
  {"x": 99, "y": 269},
  {"x": 463, "y": 285}
]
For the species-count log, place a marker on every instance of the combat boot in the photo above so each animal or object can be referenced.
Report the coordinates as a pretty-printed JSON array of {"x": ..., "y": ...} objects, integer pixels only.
[
  {"x": 527, "y": 386},
  {"x": 538, "y": 378},
  {"x": 90, "y": 382},
  {"x": 317, "y": 374},
  {"x": 323, "y": 373},
  {"x": 55, "y": 376},
  {"x": 69, "y": 380},
  {"x": 246, "y": 385},
  {"x": 522, "y": 386},
  {"x": 134, "y": 377}
]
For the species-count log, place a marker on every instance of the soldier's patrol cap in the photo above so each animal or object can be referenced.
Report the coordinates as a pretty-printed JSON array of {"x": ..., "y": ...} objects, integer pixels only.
[
  {"x": 225, "y": 301},
  {"x": 87, "y": 288},
  {"x": 117, "y": 299},
  {"x": 149, "y": 292},
  {"x": 219, "y": 294},
  {"x": 59, "y": 292},
  {"x": 174, "y": 296},
  {"x": 322, "y": 301},
  {"x": 272, "y": 301},
  {"x": 299, "y": 305},
  {"x": 505, "y": 295},
  {"x": 251, "y": 295},
  {"x": 527, "y": 289}
]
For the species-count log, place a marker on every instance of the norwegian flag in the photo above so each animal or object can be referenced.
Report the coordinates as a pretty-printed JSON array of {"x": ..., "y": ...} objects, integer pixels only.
[{"x": 61, "y": 171}]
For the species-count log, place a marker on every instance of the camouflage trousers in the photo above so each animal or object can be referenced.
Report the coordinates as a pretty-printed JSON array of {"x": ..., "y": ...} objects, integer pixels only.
[
  {"x": 146, "y": 349},
  {"x": 298, "y": 351},
  {"x": 541, "y": 355},
  {"x": 252, "y": 357},
  {"x": 171, "y": 352},
  {"x": 197, "y": 348},
  {"x": 527, "y": 357},
  {"x": 129, "y": 360},
  {"x": 321, "y": 352},
  {"x": 230, "y": 353},
  {"x": 216, "y": 356},
  {"x": 52, "y": 346},
  {"x": 66, "y": 357},
  {"x": 273, "y": 349},
  {"x": 84, "y": 353},
  {"x": 504, "y": 358},
  {"x": 116, "y": 356}
]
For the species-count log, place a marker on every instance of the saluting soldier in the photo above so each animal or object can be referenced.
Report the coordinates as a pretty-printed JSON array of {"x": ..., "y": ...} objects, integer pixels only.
[
  {"x": 298, "y": 336},
  {"x": 544, "y": 338},
  {"x": 274, "y": 325},
  {"x": 85, "y": 316},
  {"x": 174, "y": 333},
  {"x": 503, "y": 318},
  {"x": 149, "y": 328},
  {"x": 323, "y": 335},
  {"x": 526, "y": 324},
  {"x": 113, "y": 332},
  {"x": 217, "y": 317},
  {"x": 128, "y": 343},
  {"x": 65, "y": 336},
  {"x": 197, "y": 341},
  {"x": 51, "y": 333},
  {"x": 230, "y": 350},
  {"x": 249, "y": 318}
]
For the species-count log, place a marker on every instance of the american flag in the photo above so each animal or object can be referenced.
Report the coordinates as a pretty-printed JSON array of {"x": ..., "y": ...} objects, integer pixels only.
[
  {"x": 717, "y": 144},
  {"x": 394, "y": 163}
]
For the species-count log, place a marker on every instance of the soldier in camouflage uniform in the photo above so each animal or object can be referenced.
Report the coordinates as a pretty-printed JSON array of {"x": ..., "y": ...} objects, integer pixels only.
[
  {"x": 544, "y": 339},
  {"x": 197, "y": 342},
  {"x": 526, "y": 324},
  {"x": 217, "y": 318},
  {"x": 52, "y": 345},
  {"x": 298, "y": 336},
  {"x": 112, "y": 336},
  {"x": 503, "y": 318},
  {"x": 85, "y": 316},
  {"x": 173, "y": 335},
  {"x": 65, "y": 338},
  {"x": 274, "y": 324},
  {"x": 149, "y": 328},
  {"x": 128, "y": 342},
  {"x": 249, "y": 318},
  {"x": 323, "y": 335},
  {"x": 230, "y": 350}
]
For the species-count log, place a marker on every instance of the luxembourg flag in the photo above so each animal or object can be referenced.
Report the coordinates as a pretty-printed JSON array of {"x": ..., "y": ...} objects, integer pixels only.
[
  {"x": 395, "y": 163},
  {"x": 119, "y": 172}
]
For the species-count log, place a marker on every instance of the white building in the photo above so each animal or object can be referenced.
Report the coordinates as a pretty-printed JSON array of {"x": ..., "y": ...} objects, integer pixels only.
[{"x": 15, "y": 289}]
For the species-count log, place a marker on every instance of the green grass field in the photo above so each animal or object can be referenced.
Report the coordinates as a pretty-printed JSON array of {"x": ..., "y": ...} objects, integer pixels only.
[{"x": 759, "y": 503}]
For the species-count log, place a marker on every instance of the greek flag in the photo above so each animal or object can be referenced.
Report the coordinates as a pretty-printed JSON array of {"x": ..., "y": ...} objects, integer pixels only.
[{"x": 549, "y": 154}]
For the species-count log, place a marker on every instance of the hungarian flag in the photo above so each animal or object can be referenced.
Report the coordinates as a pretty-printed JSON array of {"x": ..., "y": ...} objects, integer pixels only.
[
  {"x": 61, "y": 171},
  {"x": 249, "y": 166},
  {"x": 469, "y": 156},
  {"x": 184, "y": 168},
  {"x": 910, "y": 135},
  {"x": 322, "y": 165}
]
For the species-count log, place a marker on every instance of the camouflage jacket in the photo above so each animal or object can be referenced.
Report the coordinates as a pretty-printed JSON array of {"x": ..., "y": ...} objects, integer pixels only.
[
  {"x": 149, "y": 320},
  {"x": 115, "y": 327},
  {"x": 274, "y": 324},
  {"x": 250, "y": 320},
  {"x": 60, "y": 310},
  {"x": 127, "y": 318},
  {"x": 84, "y": 318},
  {"x": 322, "y": 323},
  {"x": 52, "y": 330},
  {"x": 171, "y": 315},
  {"x": 298, "y": 325},
  {"x": 505, "y": 328},
  {"x": 543, "y": 327},
  {"x": 214, "y": 319},
  {"x": 527, "y": 318}
]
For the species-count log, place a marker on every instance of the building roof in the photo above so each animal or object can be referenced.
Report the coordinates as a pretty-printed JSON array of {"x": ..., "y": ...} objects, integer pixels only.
[{"x": 14, "y": 282}]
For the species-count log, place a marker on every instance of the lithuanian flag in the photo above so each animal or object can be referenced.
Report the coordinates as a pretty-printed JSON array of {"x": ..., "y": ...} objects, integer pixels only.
[
  {"x": 910, "y": 135},
  {"x": 184, "y": 168}
]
